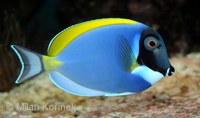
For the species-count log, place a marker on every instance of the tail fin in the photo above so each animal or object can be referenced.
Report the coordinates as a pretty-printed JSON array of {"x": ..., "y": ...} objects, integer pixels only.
[{"x": 31, "y": 63}]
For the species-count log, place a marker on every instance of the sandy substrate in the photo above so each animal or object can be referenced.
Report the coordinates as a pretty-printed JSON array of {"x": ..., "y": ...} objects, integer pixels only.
[{"x": 175, "y": 96}]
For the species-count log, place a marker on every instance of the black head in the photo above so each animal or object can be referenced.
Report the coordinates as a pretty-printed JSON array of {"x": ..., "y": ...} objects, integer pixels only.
[{"x": 153, "y": 53}]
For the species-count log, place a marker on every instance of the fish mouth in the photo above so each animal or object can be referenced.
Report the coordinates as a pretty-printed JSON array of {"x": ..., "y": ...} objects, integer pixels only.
[{"x": 170, "y": 71}]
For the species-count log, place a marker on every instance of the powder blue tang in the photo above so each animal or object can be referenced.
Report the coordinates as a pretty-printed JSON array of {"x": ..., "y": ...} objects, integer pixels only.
[{"x": 106, "y": 57}]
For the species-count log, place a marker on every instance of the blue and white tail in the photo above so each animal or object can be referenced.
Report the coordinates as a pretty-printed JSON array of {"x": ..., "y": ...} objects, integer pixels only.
[{"x": 32, "y": 64}]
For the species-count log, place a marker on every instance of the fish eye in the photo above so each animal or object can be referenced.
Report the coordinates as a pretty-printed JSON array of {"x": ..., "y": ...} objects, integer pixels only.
[{"x": 151, "y": 43}]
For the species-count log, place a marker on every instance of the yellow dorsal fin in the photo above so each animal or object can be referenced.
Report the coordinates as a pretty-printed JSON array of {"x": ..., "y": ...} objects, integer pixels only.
[{"x": 62, "y": 39}]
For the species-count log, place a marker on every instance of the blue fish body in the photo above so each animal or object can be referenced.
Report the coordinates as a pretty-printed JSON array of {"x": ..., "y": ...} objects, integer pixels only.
[
  {"x": 95, "y": 58},
  {"x": 104, "y": 60}
]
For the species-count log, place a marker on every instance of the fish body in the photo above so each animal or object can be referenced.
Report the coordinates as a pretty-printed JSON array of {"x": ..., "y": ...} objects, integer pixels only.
[{"x": 103, "y": 57}]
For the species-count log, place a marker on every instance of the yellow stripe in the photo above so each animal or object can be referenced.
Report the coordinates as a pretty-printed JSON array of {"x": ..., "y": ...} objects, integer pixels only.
[
  {"x": 61, "y": 40},
  {"x": 50, "y": 63},
  {"x": 134, "y": 65}
]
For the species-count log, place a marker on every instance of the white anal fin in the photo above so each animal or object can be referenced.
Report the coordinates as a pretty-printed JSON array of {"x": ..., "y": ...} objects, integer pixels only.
[
  {"x": 118, "y": 94},
  {"x": 69, "y": 86}
]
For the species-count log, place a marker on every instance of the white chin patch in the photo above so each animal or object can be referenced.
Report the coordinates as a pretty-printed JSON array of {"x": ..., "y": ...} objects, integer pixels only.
[
  {"x": 147, "y": 74},
  {"x": 167, "y": 73}
]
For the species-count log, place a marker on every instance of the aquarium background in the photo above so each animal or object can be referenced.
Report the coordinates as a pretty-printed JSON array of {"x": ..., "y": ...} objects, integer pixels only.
[{"x": 33, "y": 23}]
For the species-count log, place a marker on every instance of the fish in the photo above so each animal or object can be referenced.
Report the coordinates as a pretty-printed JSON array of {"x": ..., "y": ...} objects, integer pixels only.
[{"x": 102, "y": 57}]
